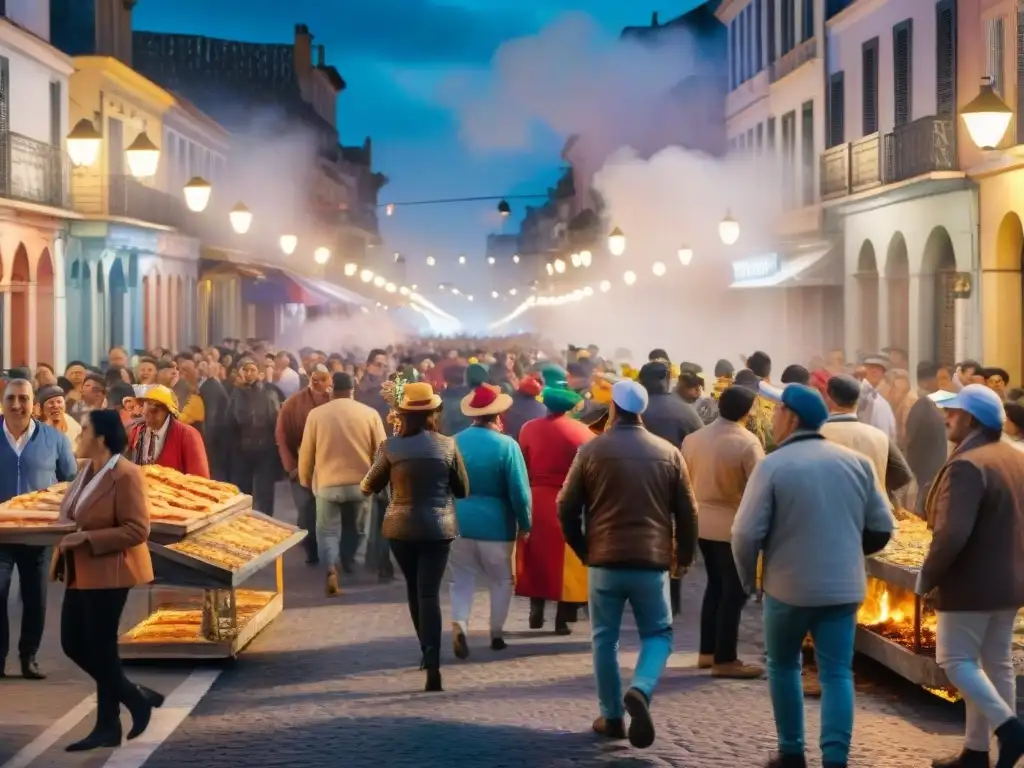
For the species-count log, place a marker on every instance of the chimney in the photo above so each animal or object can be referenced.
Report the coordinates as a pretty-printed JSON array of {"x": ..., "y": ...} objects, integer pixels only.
[
  {"x": 319, "y": 55},
  {"x": 303, "y": 48},
  {"x": 654, "y": 19}
]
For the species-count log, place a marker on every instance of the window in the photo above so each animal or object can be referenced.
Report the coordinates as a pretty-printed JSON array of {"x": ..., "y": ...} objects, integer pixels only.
[
  {"x": 902, "y": 48},
  {"x": 836, "y": 109},
  {"x": 733, "y": 50},
  {"x": 945, "y": 59},
  {"x": 770, "y": 24},
  {"x": 742, "y": 53},
  {"x": 751, "y": 46},
  {"x": 807, "y": 151},
  {"x": 788, "y": 159},
  {"x": 758, "y": 37},
  {"x": 770, "y": 131},
  {"x": 995, "y": 60},
  {"x": 808, "y": 20},
  {"x": 788, "y": 26},
  {"x": 869, "y": 87},
  {"x": 760, "y": 138},
  {"x": 171, "y": 148},
  {"x": 56, "y": 134},
  {"x": 750, "y": 139}
]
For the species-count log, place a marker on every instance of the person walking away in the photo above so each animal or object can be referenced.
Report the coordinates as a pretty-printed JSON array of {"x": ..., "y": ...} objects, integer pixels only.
[
  {"x": 52, "y": 411},
  {"x": 460, "y": 383},
  {"x": 291, "y": 423},
  {"x": 369, "y": 392},
  {"x": 668, "y": 416},
  {"x": 490, "y": 518},
  {"x": 33, "y": 456},
  {"x": 525, "y": 406},
  {"x": 426, "y": 473},
  {"x": 975, "y": 511},
  {"x": 720, "y": 460},
  {"x": 216, "y": 434},
  {"x": 252, "y": 419},
  {"x": 690, "y": 388},
  {"x": 927, "y": 445},
  {"x": 814, "y": 509},
  {"x": 759, "y": 422},
  {"x": 626, "y": 494},
  {"x": 901, "y": 397},
  {"x": 547, "y": 569},
  {"x": 99, "y": 563},
  {"x": 162, "y": 439},
  {"x": 338, "y": 447},
  {"x": 873, "y": 408}
]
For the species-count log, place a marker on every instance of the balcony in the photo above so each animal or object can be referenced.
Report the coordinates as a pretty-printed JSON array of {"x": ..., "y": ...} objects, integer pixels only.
[
  {"x": 926, "y": 145},
  {"x": 850, "y": 168},
  {"x": 32, "y": 172},
  {"x": 792, "y": 61},
  {"x": 130, "y": 198}
]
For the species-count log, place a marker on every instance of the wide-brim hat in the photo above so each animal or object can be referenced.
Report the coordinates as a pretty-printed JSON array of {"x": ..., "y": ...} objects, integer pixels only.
[
  {"x": 419, "y": 396},
  {"x": 485, "y": 400},
  {"x": 160, "y": 395}
]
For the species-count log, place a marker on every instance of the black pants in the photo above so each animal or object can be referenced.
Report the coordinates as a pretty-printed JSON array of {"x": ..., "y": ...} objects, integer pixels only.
[
  {"x": 565, "y": 613},
  {"x": 423, "y": 564},
  {"x": 305, "y": 503},
  {"x": 255, "y": 473},
  {"x": 724, "y": 598},
  {"x": 33, "y": 564},
  {"x": 89, "y": 619}
]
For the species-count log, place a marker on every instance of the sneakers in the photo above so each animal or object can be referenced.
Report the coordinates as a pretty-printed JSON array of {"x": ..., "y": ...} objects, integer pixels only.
[
  {"x": 737, "y": 670},
  {"x": 610, "y": 728},
  {"x": 968, "y": 758},
  {"x": 641, "y": 726},
  {"x": 460, "y": 645}
]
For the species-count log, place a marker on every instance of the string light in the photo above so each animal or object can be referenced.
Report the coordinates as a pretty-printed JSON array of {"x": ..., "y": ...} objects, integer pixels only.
[
  {"x": 586, "y": 258},
  {"x": 685, "y": 256},
  {"x": 605, "y": 286},
  {"x": 515, "y": 258},
  {"x": 366, "y": 275},
  {"x": 379, "y": 281},
  {"x": 549, "y": 268},
  {"x": 462, "y": 259},
  {"x": 431, "y": 261},
  {"x": 658, "y": 268},
  {"x": 490, "y": 260},
  {"x": 630, "y": 277},
  {"x": 494, "y": 294},
  {"x": 559, "y": 266},
  {"x": 576, "y": 260},
  {"x": 351, "y": 269}
]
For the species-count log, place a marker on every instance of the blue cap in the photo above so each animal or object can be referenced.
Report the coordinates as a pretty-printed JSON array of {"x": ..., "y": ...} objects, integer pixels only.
[
  {"x": 629, "y": 396},
  {"x": 806, "y": 402},
  {"x": 979, "y": 401}
]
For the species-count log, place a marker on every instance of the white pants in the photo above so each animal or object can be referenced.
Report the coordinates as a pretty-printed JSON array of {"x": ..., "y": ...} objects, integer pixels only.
[
  {"x": 493, "y": 561},
  {"x": 975, "y": 649}
]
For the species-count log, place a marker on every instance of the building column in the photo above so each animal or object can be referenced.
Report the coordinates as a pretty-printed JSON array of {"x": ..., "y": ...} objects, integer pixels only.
[
  {"x": 883, "y": 315},
  {"x": 32, "y": 300},
  {"x": 6, "y": 290},
  {"x": 853, "y": 329},
  {"x": 920, "y": 317},
  {"x": 60, "y": 308}
]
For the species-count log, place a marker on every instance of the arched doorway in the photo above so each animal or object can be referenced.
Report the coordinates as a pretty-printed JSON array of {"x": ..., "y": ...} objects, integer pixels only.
[
  {"x": 938, "y": 302},
  {"x": 19, "y": 307},
  {"x": 117, "y": 288},
  {"x": 867, "y": 290},
  {"x": 897, "y": 277},
  {"x": 44, "y": 309}
]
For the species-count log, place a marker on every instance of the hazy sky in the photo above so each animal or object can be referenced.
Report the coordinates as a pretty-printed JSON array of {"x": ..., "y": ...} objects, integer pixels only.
[{"x": 395, "y": 56}]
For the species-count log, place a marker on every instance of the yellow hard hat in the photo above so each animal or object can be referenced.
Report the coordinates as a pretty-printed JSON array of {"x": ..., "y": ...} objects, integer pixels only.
[{"x": 161, "y": 395}]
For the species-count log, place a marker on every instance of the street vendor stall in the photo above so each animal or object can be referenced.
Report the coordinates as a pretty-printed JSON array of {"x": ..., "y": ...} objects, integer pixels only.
[{"x": 206, "y": 541}]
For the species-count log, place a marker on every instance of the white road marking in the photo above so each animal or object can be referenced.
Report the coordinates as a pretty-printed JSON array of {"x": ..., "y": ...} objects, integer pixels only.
[
  {"x": 176, "y": 708},
  {"x": 30, "y": 752}
]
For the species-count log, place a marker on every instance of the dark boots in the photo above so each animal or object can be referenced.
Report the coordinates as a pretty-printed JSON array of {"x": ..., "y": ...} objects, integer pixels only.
[
  {"x": 1011, "y": 742},
  {"x": 968, "y": 758}
]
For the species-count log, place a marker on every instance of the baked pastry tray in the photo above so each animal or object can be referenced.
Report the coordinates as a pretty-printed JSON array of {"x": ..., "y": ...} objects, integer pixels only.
[
  {"x": 169, "y": 532},
  {"x": 171, "y": 565},
  {"x": 38, "y": 535}
]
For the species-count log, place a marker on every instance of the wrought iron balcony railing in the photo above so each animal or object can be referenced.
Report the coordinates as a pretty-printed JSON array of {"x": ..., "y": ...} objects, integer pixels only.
[
  {"x": 32, "y": 171},
  {"x": 850, "y": 168},
  {"x": 925, "y": 145},
  {"x": 794, "y": 59}
]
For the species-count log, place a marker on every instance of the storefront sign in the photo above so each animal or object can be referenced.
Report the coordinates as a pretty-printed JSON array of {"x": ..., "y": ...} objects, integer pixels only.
[{"x": 756, "y": 267}]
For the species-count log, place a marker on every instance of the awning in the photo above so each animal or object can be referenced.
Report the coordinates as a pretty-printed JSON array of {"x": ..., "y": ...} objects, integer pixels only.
[
  {"x": 329, "y": 293},
  {"x": 263, "y": 284},
  {"x": 814, "y": 265}
]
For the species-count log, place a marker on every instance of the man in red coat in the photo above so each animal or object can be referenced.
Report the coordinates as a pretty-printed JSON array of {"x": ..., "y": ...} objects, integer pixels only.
[{"x": 162, "y": 439}]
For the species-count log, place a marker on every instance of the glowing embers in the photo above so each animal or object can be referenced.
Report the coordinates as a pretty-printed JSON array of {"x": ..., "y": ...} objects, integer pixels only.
[{"x": 891, "y": 612}]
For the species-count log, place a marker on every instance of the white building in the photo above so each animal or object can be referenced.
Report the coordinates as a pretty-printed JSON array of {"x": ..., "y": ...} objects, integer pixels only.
[
  {"x": 34, "y": 173},
  {"x": 890, "y": 178},
  {"x": 776, "y": 115}
]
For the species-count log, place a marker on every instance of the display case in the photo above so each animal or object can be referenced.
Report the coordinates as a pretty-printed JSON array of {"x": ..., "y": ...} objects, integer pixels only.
[
  {"x": 167, "y": 531},
  {"x": 196, "y": 608}
]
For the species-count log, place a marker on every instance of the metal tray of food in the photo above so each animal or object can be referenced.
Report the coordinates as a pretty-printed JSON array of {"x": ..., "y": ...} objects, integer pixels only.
[
  {"x": 915, "y": 667},
  {"x": 36, "y": 535},
  {"x": 172, "y": 566},
  {"x": 166, "y": 532},
  {"x": 897, "y": 575}
]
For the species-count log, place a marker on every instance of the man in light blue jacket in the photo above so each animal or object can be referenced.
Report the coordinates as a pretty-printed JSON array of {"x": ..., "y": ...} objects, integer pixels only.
[
  {"x": 495, "y": 512},
  {"x": 814, "y": 509}
]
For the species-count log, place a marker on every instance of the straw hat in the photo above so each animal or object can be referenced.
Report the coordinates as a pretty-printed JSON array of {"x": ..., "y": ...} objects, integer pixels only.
[
  {"x": 419, "y": 396},
  {"x": 485, "y": 400},
  {"x": 160, "y": 395}
]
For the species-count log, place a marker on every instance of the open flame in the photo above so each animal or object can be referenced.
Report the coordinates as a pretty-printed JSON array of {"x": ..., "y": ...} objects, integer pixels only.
[{"x": 889, "y": 611}]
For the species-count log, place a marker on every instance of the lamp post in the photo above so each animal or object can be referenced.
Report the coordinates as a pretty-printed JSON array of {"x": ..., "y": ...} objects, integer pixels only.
[
  {"x": 84, "y": 143},
  {"x": 729, "y": 229},
  {"x": 143, "y": 157},
  {"x": 197, "y": 194},
  {"x": 241, "y": 218},
  {"x": 987, "y": 116}
]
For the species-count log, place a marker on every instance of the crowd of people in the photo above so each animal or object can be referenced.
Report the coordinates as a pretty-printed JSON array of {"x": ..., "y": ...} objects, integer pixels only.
[{"x": 565, "y": 478}]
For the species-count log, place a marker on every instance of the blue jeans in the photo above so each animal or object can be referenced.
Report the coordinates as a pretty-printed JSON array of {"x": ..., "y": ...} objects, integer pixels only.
[
  {"x": 648, "y": 594},
  {"x": 340, "y": 528},
  {"x": 832, "y": 628}
]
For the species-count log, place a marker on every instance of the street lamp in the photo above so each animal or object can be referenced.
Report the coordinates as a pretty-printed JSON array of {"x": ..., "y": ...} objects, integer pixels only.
[
  {"x": 143, "y": 157},
  {"x": 586, "y": 258},
  {"x": 685, "y": 255},
  {"x": 197, "y": 195},
  {"x": 658, "y": 268},
  {"x": 504, "y": 209},
  {"x": 321, "y": 256},
  {"x": 630, "y": 277},
  {"x": 729, "y": 229},
  {"x": 351, "y": 269},
  {"x": 987, "y": 117},
  {"x": 84, "y": 143},
  {"x": 617, "y": 242},
  {"x": 241, "y": 218},
  {"x": 366, "y": 275},
  {"x": 289, "y": 243},
  {"x": 559, "y": 266}
]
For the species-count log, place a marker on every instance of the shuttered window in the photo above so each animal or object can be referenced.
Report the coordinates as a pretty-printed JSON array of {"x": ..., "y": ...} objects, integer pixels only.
[
  {"x": 869, "y": 86},
  {"x": 758, "y": 36},
  {"x": 743, "y": 46},
  {"x": 770, "y": 131},
  {"x": 1020, "y": 74},
  {"x": 808, "y": 20},
  {"x": 55, "y": 116},
  {"x": 995, "y": 64},
  {"x": 836, "y": 109},
  {"x": 902, "y": 48},
  {"x": 732, "y": 55},
  {"x": 807, "y": 155},
  {"x": 760, "y": 138},
  {"x": 788, "y": 26},
  {"x": 770, "y": 24},
  {"x": 945, "y": 59}
]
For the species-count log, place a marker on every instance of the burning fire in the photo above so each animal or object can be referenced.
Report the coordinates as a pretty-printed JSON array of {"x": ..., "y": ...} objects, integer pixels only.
[{"x": 889, "y": 611}]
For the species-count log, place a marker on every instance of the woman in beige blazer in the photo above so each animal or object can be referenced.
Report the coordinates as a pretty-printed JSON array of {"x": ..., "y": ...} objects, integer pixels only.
[{"x": 98, "y": 564}]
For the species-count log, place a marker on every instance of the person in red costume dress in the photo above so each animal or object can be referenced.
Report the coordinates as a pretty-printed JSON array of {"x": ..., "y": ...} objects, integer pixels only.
[{"x": 162, "y": 439}]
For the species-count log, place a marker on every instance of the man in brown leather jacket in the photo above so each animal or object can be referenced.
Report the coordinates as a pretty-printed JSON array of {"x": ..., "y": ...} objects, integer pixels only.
[{"x": 631, "y": 490}]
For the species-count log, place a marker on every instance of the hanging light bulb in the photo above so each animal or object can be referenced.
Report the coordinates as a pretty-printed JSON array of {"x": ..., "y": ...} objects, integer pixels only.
[
  {"x": 515, "y": 258},
  {"x": 549, "y": 268},
  {"x": 379, "y": 281},
  {"x": 241, "y": 218},
  {"x": 490, "y": 260},
  {"x": 322, "y": 255},
  {"x": 630, "y": 277},
  {"x": 197, "y": 195},
  {"x": 512, "y": 291},
  {"x": 987, "y": 116},
  {"x": 575, "y": 260},
  {"x": 288, "y": 244},
  {"x": 469, "y": 298},
  {"x": 390, "y": 287},
  {"x": 351, "y": 269},
  {"x": 431, "y": 261},
  {"x": 455, "y": 291},
  {"x": 389, "y": 209},
  {"x": 462, "y": 259},
  {"x": 413, "y": 287},
  {"x": 658, "y": 268},
  {"x": 143, "y": 157},
  {"x": 729, "y": 229},
  {"x": 605, "y": 286},
  {"x": 588, "y": 291},
  {"x": 404, "y": 291},
  {"x": 84, "y": 143},
  {"x": 366, "y": 275},
  {"x": 559, "y": 266},
  {"x": 586, "y": 258},
  {"x": 685, "y": 256},
  {"x": 494, "y": 294},
  {"x": 617, "y": 242}
]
